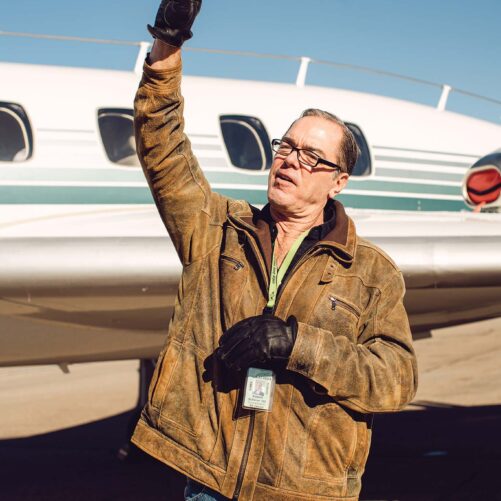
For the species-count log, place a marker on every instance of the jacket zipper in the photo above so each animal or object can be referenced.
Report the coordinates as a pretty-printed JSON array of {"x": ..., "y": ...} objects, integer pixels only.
[
  {"x": 252, "y": 418},
  {"x": 250, "y": 431},
  {"x": 308, "y": 253},
  {"x": 238, "y": 264},
  {"x": 248, "y": 441},
  {"x": 245, "y": 457},
  {"x": 264, "y": 271},
  {"x": 335, "y": 302},
  {"x": 257, "y": 254}
]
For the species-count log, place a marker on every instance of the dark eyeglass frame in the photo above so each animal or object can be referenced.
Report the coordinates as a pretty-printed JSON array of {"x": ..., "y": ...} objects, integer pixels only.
[{"x": 275, "y": 143}]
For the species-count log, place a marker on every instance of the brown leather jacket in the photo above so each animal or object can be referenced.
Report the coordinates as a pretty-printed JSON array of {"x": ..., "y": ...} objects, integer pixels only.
[{"x": 353, "y": 355}]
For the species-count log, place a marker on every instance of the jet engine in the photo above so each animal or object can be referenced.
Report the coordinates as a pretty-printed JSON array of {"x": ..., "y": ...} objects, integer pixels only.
[{"x": 482, "y": 184}]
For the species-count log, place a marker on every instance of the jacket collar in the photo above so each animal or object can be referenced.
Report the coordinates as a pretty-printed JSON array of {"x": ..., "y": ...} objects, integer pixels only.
[{"x": 341, "y": 240}]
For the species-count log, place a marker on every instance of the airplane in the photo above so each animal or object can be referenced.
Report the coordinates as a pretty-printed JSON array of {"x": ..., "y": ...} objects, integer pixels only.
[{"x": 88, "y": 272}]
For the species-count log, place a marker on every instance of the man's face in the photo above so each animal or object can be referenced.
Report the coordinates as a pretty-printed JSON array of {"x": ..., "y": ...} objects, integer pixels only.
[{"x": 294, "y": 189}]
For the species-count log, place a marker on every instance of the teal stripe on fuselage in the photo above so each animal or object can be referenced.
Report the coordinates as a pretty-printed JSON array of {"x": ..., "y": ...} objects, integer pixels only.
[
  {"x": 51, "y": 195},
  {"x": 48, "y": 195},
  {"x": 393, "y": 203},
  {"x": 355, "y": 184}
]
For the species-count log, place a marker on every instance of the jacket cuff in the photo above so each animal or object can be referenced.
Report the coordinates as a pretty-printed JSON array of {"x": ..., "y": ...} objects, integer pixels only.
[
  {"x": 161, "y": 80},
  {"x": 304, "y": 354}
]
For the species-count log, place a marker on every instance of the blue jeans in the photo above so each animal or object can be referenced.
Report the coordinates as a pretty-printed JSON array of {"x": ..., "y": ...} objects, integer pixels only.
[{"x": 198, "y": 492}]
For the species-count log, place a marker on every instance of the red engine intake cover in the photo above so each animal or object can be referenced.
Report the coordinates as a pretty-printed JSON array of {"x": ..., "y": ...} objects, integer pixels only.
[{"x": 484, "y": 186}]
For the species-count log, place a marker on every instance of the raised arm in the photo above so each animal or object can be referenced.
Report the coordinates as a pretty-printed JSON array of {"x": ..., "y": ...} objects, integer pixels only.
[
  {"x": 164, "y": 57},
  {"x": 181, "y": 193}
]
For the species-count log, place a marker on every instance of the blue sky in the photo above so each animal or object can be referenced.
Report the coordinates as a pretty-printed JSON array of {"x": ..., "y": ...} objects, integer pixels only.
[{"x": 448, "y": 41}]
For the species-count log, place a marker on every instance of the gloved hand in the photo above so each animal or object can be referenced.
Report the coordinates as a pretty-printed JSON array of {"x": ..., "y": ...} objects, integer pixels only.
[
  {"x": 264, "y": 340},
  {"x": 174, "y": 20}
]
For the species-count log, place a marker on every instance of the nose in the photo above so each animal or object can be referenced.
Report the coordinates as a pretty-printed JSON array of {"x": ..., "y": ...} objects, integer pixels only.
[{"x": 292, "y": 159}]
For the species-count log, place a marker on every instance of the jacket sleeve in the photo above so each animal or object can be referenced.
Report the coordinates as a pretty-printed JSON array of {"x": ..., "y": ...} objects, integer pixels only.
[
  {"x": 180, "y": 190},
  {"x": 379, "y": 374}
]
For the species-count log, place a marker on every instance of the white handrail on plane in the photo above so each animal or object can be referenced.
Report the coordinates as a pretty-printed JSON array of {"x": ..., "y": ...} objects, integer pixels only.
[{"x": 303, "y": 61}]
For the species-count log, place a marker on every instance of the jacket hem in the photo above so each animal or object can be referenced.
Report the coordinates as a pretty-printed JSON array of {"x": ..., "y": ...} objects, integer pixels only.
[
  {"x": 178, "y": 458},
  {"x": 264, "y": 492}
]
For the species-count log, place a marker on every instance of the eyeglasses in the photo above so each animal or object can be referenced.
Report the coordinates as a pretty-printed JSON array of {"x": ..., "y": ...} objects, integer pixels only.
[{"x": 307, "y": 158}]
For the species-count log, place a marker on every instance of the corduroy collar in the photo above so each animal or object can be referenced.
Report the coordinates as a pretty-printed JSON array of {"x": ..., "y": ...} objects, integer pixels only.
[{"x": 341, "y": 238}]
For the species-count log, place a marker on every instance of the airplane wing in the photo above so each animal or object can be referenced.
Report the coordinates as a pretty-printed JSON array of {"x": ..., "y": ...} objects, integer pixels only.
[
  {"x": 68, "y": 298},
  {"x": 451, "y": 264},
  {"x": 449, "y": 281}
]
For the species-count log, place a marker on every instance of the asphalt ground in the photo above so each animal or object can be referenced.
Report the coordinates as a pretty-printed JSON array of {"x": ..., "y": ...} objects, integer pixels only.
[{"x": 60, "y": 433}]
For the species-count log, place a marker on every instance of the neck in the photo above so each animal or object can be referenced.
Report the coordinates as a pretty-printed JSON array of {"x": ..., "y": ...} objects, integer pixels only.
[{"x": 291, "y": 226}]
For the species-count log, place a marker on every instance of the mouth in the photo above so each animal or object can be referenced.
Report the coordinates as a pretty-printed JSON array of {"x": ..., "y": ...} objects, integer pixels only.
[{"x": 284, "y": 177}]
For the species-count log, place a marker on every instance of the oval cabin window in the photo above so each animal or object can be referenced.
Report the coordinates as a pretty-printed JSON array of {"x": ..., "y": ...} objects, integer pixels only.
[
  {"x": 117, "y": 133},
  {"x": 247, "y": 142},
  {"x": 363, "y": 167},
  {"x": 16, "y": 140}
]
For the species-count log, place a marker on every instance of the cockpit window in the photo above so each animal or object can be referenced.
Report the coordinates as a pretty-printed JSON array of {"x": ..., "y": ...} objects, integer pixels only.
[
  {"x": 363, "y": 167},
  {"x": 116, "y": 126},
  {"x": 247, "y": 142},
  {"x": 16, "y": 138}
]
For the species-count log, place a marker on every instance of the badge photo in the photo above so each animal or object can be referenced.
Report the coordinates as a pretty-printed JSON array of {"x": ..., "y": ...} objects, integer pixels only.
[{"x": 258, "y": 389}]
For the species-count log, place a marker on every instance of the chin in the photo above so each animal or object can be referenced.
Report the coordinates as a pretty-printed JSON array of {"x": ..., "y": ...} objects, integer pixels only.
[
  {"x": 280, "y": 200},
  {"x": 276, "y": 197}
]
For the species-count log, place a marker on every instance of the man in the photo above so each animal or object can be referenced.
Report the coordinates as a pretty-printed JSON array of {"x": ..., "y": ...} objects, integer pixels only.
[{"x": 288, "y": 296}]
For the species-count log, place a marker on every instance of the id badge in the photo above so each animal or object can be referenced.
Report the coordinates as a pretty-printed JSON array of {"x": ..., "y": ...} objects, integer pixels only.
[{"x": 258, "y": 389}]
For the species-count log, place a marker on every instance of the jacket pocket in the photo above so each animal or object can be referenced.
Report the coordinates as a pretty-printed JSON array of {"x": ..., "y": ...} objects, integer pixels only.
[
  {"x": 237, "y": 265},
  {"x": 331, "y": 444},
  {"x": 233, "y": 273},
  {"x": 161, "y": 376},
  {"x": 336, "y": 314},
  {"x": 186, "y": 414}
]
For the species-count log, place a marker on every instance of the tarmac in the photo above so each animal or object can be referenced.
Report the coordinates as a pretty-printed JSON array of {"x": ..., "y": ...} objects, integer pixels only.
[{"x": 60, "y": 433}]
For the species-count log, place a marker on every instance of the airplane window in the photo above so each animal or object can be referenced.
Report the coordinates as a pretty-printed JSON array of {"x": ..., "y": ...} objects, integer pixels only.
[
  {"x": 16, "y": 140},
  {"x": 363, "y": 167},
  {"x": 117, "y": 133},
  {"x": 247, "y": 142}
]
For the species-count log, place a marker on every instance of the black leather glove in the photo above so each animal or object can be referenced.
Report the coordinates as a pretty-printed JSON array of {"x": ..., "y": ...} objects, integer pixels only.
[
  {"x": 174, "y": 20},
  {"x": 265, "y": 340}
]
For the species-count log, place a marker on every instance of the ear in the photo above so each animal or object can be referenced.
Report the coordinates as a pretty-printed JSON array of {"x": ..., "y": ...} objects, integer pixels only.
[{"x": 339, "y": 181}]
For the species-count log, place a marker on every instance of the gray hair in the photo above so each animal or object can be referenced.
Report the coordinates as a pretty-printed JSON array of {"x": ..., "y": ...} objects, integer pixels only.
[{"x": 349, "y": 148}]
